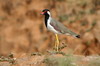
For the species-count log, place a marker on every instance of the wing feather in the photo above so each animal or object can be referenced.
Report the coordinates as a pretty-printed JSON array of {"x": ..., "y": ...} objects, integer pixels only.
[{"x": 61, "y": 28}]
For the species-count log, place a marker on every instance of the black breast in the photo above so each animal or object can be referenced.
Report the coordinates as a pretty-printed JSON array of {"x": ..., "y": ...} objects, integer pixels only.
[{"x": 46, "y": 19}]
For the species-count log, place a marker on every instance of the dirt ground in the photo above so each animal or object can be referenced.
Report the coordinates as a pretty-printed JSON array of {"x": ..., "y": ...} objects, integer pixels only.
[
  {"x": 51, "y": 59},
  {"x": 22, "y": 30}
]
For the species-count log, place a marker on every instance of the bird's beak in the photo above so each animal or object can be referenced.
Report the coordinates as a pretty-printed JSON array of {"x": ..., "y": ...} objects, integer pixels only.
[{"x": 42, "y": 13}]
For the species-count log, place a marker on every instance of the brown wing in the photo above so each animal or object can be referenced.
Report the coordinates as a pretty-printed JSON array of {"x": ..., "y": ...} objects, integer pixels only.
[
  {"x": 55, "y": 27},
  {"x": 58, "y": 26},
  {"x": 61, "y": 28}
]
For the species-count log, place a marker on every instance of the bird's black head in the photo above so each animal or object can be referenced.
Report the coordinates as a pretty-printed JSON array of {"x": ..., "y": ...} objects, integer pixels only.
[{"x": 45, "y": 11}]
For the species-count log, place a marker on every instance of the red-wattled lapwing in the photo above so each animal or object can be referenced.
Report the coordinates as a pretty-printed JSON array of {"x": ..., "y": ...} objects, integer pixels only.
[{"x": 56, "y": 27}]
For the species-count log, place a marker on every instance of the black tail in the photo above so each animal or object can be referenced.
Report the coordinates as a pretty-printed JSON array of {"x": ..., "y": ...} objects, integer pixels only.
[{"x": 78, "y": 36}]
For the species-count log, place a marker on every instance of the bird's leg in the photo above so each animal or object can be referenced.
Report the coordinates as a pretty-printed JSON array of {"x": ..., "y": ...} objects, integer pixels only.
[{"x": 57, "y": 43}]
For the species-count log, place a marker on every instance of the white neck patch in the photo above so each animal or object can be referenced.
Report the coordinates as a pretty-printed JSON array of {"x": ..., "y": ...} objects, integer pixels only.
[{"x": 48, "y": 13}]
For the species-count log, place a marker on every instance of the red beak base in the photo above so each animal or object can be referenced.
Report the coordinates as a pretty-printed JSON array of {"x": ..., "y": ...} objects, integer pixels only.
[{"x": 42, "y": 13}]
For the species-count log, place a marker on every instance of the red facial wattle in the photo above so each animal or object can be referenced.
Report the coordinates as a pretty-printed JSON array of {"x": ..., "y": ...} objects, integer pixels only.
[{"x": 43, "y": 12}]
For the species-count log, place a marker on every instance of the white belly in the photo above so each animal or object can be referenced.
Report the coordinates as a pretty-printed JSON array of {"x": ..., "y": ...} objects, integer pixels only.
[
  {"x": 49, "y": 27},
  {"x": 52, "y": 29}
]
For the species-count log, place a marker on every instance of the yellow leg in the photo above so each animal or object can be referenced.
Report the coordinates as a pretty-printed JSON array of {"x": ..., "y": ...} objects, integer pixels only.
[{"x": 57, "y": 42}]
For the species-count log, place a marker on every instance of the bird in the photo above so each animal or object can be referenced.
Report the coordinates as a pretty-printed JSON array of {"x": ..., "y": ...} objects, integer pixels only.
[{"x": 56, "y": 27}]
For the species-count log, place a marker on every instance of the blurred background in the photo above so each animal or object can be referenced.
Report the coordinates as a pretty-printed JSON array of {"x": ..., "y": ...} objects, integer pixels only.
[{"x": 22, "y": 28}]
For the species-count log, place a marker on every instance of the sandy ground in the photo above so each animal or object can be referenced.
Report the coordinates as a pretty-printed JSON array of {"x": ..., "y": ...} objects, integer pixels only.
[{"x": 37, "y": 59}]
